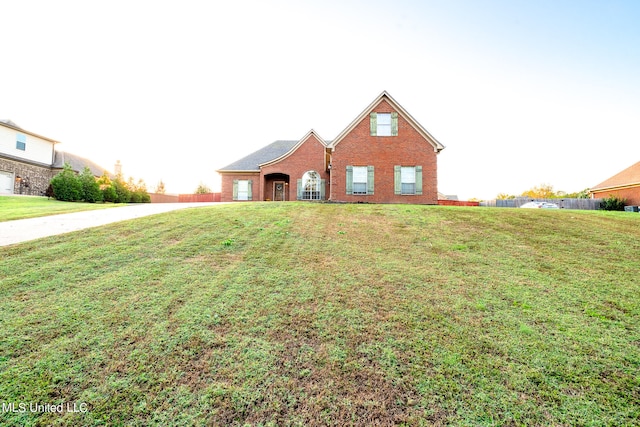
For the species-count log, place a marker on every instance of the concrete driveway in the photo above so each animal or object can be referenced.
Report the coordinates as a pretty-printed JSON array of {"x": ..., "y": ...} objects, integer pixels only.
[{"x": 23, "y": 230}]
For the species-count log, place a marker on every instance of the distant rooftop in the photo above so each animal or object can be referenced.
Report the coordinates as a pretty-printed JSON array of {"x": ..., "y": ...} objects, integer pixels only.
[
  {"x": 77, "y": 163},
  {"x": 10, "y": 123}
]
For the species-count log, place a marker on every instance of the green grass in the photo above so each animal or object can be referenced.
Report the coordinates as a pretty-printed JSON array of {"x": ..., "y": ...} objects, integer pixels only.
[
  {"x": 21, "y": 207},
  {"x": 321, "y": 314}
]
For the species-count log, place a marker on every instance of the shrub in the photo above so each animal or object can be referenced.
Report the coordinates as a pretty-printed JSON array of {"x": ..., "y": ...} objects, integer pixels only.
[
  {"x": 66, "y": 185},
  {"x": 90, "y": 188},
  {"x": 135, "y": 197},
  {"x": 613, "y": 203},
  {"x": 109, "y": 194},
  {"x": 123, "y": 195},
  {"x": 49, "y": 191}
]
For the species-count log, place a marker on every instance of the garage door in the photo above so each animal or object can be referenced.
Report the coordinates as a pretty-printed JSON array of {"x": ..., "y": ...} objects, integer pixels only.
[{"x": 6, "y": 182}]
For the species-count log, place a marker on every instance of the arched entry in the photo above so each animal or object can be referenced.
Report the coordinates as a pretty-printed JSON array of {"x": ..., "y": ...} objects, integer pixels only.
[{"x": 276, "y": 187}]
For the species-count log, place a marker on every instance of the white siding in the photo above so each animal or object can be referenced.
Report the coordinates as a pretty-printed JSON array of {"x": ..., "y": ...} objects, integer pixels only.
[{"x": 37, "y": 149}]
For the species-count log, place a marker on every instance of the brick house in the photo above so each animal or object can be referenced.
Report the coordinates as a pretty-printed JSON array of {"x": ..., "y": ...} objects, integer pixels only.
[
  {"x": 28, "y": 161},
  {"x": 383, "y": 156},
  {"x": 624, "y": 185}
]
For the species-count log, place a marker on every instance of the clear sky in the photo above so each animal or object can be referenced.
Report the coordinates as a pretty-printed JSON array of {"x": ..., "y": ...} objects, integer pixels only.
[{"x": 521, "y": 93}]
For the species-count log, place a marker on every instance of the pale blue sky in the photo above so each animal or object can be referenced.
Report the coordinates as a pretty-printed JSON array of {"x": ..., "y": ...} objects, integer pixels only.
[{"x": 520, "y": 92}]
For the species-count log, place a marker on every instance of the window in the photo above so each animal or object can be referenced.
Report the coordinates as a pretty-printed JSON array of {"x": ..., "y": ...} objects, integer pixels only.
[
  {"x": 242, "y": 189},
  {"x": 408, "y": 180},
  {"x": 311, "y": 187},
  {"x": 21, "y": 142},
  {"x": 360, "y": 180},
  {"x": 384, "y": 124}
]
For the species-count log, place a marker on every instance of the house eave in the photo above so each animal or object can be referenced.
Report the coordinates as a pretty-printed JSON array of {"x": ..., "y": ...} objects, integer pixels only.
[
  {"x": 238, "y": 171},
  {"x": 18, "y": 129},
  {"x": 615, "y": 187},
  {"x": 27, "y": 161}
]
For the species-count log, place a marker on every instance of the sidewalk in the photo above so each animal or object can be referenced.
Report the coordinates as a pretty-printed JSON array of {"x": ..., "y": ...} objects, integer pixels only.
[{"x": 23, "y": 230}]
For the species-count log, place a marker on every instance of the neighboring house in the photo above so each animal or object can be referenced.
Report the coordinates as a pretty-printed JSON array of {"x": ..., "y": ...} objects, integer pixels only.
[
  {"x": 624, "y": 185},
  {"x": 28, "y": 161},
  {"x": 383, "y": 156}
]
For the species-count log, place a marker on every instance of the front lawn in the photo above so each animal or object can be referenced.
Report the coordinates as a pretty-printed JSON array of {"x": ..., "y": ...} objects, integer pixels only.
[
  {"x": 20, "y": 207},
  {"x": 303, "y": 314}
]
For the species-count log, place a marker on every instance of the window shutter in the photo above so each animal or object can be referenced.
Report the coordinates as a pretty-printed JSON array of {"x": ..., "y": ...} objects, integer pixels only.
[
  {"x": 235, "y": 189},
  {"x": 370, "y": 180},
  {"x": 394, "y": 124},
  {"x": 249, "y": 185},
  {"x": 299, "y": 189},
  {"x": 419, "y": 180},
  {"x": 397, "y": 180},
  {"x": 323, "y": 186},
  {"x": 373, "y": 123},
  {"x": 349, "y": 179}
]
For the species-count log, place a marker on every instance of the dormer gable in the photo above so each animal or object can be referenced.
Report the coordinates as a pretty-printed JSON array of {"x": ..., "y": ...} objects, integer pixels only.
[
  {"x": 310, "y": 136},
  {"x": 385, "y": 123}
]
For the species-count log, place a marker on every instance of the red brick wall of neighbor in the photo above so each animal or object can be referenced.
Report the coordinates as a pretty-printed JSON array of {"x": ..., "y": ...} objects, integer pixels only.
[
  {"x": 226, "y": 195},
  {"x": 308, "y": 156},
  {"x": 632, "y": 195},
  {"x": 409, "y": 148}
]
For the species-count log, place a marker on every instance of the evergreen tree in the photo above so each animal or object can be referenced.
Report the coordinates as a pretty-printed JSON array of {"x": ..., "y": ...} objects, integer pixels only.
[
  {"x": 66, "y": 185},
  {"x": 90, "y": 188}
]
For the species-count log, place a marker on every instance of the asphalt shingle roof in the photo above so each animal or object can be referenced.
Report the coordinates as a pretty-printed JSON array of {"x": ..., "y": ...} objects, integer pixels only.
[
  {"x": 630, "y": 175},
  {"x": 77, "y": 163},
  {"x": 253, "y": 161}
]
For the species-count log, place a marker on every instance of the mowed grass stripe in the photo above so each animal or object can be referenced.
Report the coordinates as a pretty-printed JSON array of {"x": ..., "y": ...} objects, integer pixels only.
[
  {"x": 324, "y": 314},
  {"x": 22, "y": 207}
]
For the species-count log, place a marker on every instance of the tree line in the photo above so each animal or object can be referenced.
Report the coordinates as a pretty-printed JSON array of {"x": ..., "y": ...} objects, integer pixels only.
[
  {"x": 71, "y": 187},
  {"x": 546, "y": 191}
]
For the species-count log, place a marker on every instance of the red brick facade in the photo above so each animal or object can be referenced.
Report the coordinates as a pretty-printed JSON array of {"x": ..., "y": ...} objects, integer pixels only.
[
  {"x": 226, "y": 195},
  {"x": 630, "y": 194},
  {"x": 410, "y": 146},
  {"x": 308, "y": 156}
]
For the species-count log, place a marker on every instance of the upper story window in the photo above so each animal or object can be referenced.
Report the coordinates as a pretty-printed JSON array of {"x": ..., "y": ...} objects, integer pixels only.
[
  {"x": 384, "y": 124},
  {"x": 21, "y": 142}
]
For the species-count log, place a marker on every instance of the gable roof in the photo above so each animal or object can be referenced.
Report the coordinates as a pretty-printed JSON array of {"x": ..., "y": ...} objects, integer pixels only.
[
  {"x": 295, "y": 147},
  {"x": 252, "y": 162},
  {"x": 384, "y": 96},
  {"x": 628, "y": 177},
  {"x": 77, "y": 163},
  {"x": 12, "y": 125}
]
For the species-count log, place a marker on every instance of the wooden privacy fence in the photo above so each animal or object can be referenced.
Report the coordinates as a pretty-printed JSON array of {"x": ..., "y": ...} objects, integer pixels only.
[
  {"x": 457, "y": 203},
  {"x": 207, "y": 197},
  {"x": 567, "y": 203}
]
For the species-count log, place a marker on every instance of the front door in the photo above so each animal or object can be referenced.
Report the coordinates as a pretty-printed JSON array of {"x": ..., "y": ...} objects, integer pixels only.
[{"x": 278, "y": 191}]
